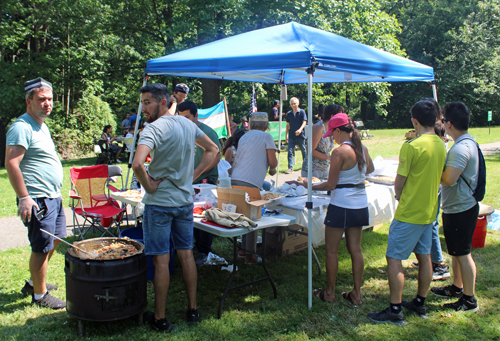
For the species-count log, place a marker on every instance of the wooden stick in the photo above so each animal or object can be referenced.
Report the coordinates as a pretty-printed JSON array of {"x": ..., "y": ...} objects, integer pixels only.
[{"x": 227, "y": 119}]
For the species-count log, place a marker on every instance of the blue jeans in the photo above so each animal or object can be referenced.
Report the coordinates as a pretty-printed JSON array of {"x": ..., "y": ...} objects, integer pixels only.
[
  {"x": 160, "y": 222},
  {"x": 436, "y": 252},
  {"x": 292, "y": 142}
]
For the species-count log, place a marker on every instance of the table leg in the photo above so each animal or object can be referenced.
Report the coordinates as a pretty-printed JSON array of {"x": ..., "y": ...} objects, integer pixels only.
[
  {"x": 233, "y": 274},
  {"x": 264, "y": 264},
  {"x": 317, "y": 262}
]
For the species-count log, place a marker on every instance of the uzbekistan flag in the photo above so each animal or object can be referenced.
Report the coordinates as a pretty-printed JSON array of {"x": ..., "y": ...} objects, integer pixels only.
[{"x": 215, "y": 118}]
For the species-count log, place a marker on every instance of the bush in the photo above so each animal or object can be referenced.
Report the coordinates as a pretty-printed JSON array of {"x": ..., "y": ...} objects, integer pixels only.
[{"x": 74, "y": 135}]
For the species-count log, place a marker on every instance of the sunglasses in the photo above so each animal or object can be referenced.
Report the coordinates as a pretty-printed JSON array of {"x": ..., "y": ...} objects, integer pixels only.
[{"x": 444, "y": 120}]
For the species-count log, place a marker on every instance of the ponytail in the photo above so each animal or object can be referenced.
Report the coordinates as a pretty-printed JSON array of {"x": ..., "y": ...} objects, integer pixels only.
[{"x": 356, "y": 142}]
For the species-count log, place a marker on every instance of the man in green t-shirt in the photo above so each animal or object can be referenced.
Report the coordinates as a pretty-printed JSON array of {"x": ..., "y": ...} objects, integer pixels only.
[
  {"x": 203, "y": 240},
  {"x": 421, "y": 163}
]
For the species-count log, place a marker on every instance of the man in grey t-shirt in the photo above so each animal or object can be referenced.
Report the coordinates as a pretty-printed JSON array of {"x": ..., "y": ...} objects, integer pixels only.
[
  {"x": 460, "y": 208},
  {"x": 169, "y": 194},
  {"x": 36, "y": 174}
]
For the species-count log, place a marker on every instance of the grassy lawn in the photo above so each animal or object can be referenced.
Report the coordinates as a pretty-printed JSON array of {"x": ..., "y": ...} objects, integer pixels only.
[{"x": 250, "y": 313}]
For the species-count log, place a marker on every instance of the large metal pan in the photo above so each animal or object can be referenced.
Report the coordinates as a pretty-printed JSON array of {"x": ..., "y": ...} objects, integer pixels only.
[{"x": 96, "y": 244}]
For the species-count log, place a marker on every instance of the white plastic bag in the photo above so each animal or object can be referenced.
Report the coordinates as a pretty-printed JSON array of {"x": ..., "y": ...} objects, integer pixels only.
[{"x": 223, "y": 168}]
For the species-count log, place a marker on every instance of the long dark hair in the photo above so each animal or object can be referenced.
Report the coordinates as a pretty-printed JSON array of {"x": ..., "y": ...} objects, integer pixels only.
[
  {"x": 330, "y": 110},
  {"x": 356, "y": 142},
  {"x": 105, "y": 130},
  {"x": 233, "y": 140}
]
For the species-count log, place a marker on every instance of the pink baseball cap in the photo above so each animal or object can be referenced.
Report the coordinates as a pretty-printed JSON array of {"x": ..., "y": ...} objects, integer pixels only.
[{"x": 336, "y": 121}]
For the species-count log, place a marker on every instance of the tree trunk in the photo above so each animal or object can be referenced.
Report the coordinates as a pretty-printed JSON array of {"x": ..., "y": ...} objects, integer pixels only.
[
  {"x": 211, "y": 92},
  {"x": 362, "y": 111}
]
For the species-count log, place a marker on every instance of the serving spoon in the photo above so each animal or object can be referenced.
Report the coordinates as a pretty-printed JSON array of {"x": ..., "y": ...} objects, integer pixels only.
[{"x": 90, "y": 253}]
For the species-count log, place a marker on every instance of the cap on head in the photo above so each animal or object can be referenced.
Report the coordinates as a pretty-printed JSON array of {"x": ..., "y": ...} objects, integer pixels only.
[
  {"x": 244, "y": 119},
  {"x": 181, "y": 87},
  {"x": 36, "y": 83},
  {"x": 259, "y": 116},
  {"x": 276, "y": 101},
  {"x": 336, "y": 121}
]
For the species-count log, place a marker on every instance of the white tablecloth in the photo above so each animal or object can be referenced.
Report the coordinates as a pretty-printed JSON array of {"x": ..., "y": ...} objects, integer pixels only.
[{"x": 381, "y": 206}]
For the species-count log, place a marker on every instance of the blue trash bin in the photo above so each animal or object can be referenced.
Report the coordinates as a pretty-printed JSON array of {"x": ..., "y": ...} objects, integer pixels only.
[{"x": 136, "y": 233}]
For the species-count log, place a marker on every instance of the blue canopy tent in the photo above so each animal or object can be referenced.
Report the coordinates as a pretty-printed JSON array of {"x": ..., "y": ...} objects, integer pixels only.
[{"x": 290, "y": 54}]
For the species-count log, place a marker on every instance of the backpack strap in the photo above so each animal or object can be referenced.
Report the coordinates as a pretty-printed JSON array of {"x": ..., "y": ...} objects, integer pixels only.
[{"x": 461, "y": 175}]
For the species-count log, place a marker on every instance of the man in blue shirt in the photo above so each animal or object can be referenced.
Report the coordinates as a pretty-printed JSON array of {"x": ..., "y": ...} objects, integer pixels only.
[
  {"x": 36, "y": 174},
  {"x": 296, "y": 120}
]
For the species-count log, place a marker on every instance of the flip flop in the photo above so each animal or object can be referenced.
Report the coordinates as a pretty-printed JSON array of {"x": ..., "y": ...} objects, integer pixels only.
[
  {"x": 347, "y": 297},
  {"x": 320, "y": 293}
]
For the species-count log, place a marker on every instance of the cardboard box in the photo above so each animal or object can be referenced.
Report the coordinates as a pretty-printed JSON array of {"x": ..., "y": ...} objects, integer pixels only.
[
  {"x": 236, "y": 196},
  {"x": 281, "y": 243}
]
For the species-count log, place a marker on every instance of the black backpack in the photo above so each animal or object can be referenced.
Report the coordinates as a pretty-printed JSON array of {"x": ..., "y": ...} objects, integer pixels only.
[{"x": 480, "y": 190}]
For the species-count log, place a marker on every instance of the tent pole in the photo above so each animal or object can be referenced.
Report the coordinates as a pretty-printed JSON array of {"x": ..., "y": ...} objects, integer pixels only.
[
  {"x": 309, "y": 187},
  {"x": 434, "y": 91},
  {"x": 139, "y": 110},
  {"x": 279, "y": 135}
]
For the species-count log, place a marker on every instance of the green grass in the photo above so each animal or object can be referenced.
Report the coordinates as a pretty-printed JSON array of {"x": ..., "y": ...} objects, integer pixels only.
[{"x": 250, "y": 313}]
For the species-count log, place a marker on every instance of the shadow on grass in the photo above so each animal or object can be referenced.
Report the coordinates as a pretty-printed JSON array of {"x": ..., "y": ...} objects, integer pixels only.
[{"x": 83, "y": 162}]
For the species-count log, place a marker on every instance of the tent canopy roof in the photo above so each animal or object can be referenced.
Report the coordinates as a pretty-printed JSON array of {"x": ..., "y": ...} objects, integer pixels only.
[{"x": 283, "y": 53}]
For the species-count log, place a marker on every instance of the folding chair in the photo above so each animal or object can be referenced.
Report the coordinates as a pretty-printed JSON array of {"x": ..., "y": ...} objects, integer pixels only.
[
  {"x": 89, "y": 201},
  {"x": 115, "y": 173},
  {"x": 104, "y": 156}
]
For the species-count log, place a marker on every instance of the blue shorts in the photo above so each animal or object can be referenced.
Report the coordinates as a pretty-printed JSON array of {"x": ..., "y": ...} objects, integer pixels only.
[
  {"x": 405, "y": 238},
  {"x": 53, "y": 221},
  {"x": 160, "y": 223}
]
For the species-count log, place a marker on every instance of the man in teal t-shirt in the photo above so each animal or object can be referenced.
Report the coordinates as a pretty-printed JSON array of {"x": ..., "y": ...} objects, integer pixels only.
[
  {"x": 203, "y": 240},
  {"x": 36, "y": 174}
]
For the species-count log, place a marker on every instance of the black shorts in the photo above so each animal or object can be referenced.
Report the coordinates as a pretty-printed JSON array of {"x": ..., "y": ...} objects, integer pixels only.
[
  {"x": 458, "y": 230},
  {"x": 53, "y": 221},
  {"x": 346, "y": 217}
]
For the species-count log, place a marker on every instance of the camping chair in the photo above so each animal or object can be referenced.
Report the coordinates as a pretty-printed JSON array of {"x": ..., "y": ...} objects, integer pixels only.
[
  {"x": 104, "y": 155},
  {"x": 115, "y": 174},
  {"x": 363, "y": 133},
  {"x": 89, "y": 201}
]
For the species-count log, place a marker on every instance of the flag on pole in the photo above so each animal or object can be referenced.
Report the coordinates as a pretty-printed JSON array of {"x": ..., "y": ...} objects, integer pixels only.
[
  {"x": 215, "y": 118},
  {"x": 253, "y": 103}
]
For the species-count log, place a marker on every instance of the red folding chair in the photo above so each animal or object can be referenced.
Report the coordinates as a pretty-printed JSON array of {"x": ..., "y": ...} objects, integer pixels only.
[{"x": 89, "y": 200}]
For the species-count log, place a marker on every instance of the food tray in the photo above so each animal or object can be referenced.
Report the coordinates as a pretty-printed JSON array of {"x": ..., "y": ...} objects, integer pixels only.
[
  {"x": 275, "y": 201},
  {"x": 384, "y": 180}
]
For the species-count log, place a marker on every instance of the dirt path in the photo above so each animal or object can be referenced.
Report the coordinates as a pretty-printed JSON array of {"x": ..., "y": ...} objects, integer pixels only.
[{"x": 15, "y": 233}]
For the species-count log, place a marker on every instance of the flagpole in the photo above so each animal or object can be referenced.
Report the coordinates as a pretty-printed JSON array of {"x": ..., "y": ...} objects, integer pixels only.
[
  {"x": 137, "y": 120},
  {"x": 228, "y": 127}
]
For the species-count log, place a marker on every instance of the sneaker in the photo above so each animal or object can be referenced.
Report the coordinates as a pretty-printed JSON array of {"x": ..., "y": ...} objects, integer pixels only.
[
  {"x": 193, "y": 316},
  {"x": 201, "y": 258},
  {"x": 419, "y": 310},
  {"x": 440, "y": 271},
  {"x": 28, "y": 288},
  {"x": 48, "y": 301},
  {"x": 387, "y": 316},
  {"x": 463, "y": 304},
  {"x": 161, "y": 325},
  {"x": 447, "y": 291},
  {"x": 414, "y": 264},
  {"x": 289, "y": 171}
]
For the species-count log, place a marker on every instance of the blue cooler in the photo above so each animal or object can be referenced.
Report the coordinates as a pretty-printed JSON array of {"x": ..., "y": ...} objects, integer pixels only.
[{"x": 136, "y": 233}]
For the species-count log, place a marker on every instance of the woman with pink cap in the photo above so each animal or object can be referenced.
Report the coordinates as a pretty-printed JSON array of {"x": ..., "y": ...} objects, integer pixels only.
[{"x": 348, "y": 209}]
